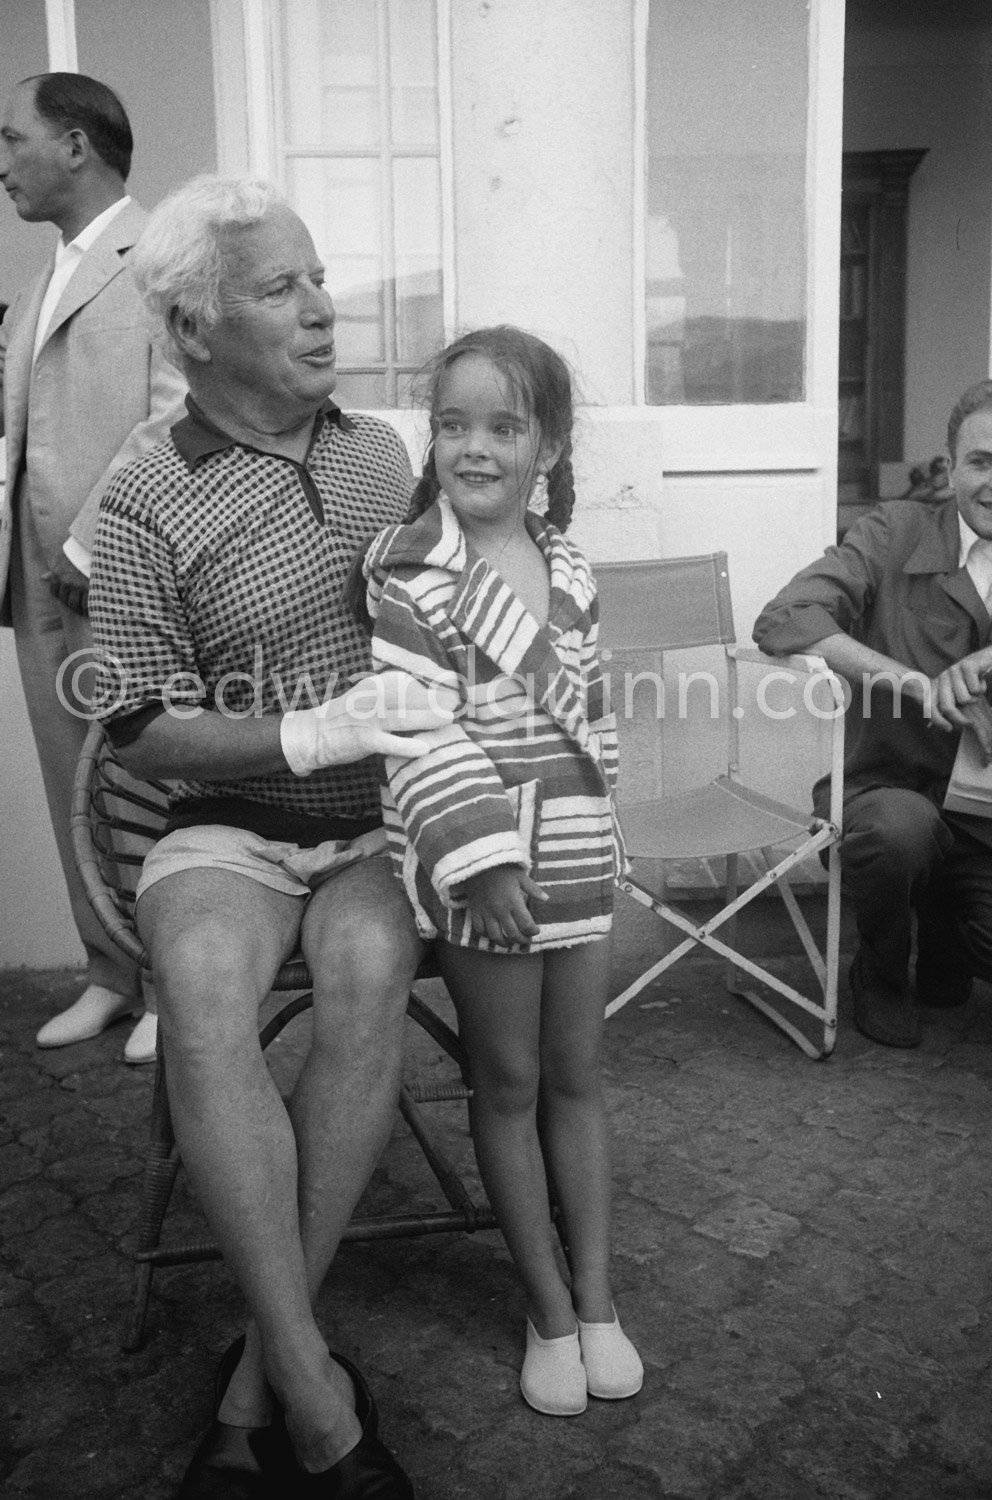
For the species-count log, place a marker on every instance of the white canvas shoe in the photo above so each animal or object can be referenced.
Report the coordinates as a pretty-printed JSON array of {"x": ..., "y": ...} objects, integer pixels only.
[
  {"x": 95, "y": 1010},
  {"x": 140, "y": 1045},
  {"x": 613, "y": 1366},
  {"x": 552, "y": 1379}
]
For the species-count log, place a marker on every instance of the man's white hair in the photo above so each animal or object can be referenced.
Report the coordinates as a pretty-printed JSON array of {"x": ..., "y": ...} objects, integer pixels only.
[{"x": 178, "y": 260}]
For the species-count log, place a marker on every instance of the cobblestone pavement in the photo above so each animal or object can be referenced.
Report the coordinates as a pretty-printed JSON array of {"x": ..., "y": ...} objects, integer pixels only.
[{"x": 802, "y": 1256}]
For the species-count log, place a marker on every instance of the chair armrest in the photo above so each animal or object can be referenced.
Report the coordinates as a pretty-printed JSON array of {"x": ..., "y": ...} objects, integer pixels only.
[{"x": 808, "y": 664}]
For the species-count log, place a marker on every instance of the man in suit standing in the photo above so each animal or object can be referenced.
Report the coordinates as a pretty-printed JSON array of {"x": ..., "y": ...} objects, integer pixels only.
[{"x": 84, "y": 392}]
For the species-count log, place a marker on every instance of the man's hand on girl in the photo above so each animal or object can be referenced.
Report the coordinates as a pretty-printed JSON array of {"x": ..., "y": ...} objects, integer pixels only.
[
  {"x": 498, "y": 903},
  {"x": 374, "y": 717}
]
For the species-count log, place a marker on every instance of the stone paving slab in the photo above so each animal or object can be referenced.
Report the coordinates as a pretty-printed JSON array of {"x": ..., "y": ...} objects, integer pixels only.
[{"x": 802, "y": 1255}]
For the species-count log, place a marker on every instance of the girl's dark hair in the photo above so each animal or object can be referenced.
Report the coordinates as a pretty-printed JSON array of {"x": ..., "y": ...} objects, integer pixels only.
[
  {"x": 541, "y": 381},
  {"x": 71, "y": 101}
]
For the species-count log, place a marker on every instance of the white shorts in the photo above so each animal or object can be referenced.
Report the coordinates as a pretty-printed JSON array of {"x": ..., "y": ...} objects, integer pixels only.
[{"x": 285, "y": 867}]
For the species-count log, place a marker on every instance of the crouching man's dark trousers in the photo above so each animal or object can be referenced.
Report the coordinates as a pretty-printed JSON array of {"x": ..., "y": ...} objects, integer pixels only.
[{"x": 900, "y": 853}]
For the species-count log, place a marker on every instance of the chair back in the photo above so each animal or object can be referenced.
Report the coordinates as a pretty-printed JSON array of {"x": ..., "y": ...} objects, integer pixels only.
[
  {"x": 665, "y": 604},
  {"x": 115, "y": 820},
  {"x": 645, "y": 610}
]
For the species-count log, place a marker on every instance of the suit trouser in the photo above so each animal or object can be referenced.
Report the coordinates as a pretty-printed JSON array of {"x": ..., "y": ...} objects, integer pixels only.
[
  {"x": 46, "y": 633},
  {"x": 901, "y": 854}
]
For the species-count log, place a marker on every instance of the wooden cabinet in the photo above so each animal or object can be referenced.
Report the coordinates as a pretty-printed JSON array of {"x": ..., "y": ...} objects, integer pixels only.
[{"x": 872, "y": 317}]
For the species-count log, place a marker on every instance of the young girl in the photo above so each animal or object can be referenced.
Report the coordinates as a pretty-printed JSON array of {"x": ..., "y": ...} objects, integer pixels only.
[{"x": 505, "y": 832}]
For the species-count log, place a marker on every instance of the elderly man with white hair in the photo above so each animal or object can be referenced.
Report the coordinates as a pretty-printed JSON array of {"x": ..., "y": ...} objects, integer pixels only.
[{"x": 227, "y": 658}]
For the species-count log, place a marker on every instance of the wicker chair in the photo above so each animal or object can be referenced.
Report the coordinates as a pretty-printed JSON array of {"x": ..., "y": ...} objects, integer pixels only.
[{"x": 114, "y": 822}]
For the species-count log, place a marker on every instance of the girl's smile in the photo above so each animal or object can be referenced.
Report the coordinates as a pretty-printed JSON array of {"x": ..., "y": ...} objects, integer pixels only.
[{"x": 487, "y": 448}]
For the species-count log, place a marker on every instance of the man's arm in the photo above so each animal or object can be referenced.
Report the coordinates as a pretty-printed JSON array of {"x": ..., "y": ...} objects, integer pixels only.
[
  {"x": 377, "y": 716},
  {"x": 823, "y": 604},
  {"x": 947, "y": 701},
  {"x": 69, "y": 579},
  {"x": 205, "y": 747},
  {"x": 834, "y": 594}
]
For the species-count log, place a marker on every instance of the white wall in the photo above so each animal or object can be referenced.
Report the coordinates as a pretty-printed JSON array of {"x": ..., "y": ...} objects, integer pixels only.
[{"x": 543, "y": 166}]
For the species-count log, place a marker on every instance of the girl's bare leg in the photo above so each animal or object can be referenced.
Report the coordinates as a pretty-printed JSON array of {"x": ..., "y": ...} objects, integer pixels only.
[
  {"x": 574, "y": 1127},
  {"x": 498, "y": 999}
]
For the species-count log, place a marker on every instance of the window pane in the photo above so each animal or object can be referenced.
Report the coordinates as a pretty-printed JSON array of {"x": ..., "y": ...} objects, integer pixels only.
[
  {"x": 340, "y": 202},
  {"x": 357, "y": 390},
  {"x": 417, "y": 227},
  {"x": 726, "y": 221},
  {"x": 413, "y": 72},
  {"x": 411, "y": 389},
  {"x": 330, "y": 73},
  {"x": 359, "y": 142}
]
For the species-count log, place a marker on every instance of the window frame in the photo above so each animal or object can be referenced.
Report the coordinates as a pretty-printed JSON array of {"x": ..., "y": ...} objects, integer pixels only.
[
  {"x": 247, "y": 88},
  {"x": 784, "y": 436}
]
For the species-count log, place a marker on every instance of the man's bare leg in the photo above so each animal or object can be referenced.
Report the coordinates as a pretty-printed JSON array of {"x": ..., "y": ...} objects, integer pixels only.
[
  {"x": 362, "y": 950},
  {"x": 216, "y": 940},
  {"x": 360, "y": 943}
]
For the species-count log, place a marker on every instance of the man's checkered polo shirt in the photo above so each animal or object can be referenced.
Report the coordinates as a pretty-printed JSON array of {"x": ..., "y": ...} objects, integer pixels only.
[{"x": 215, "y": 564}]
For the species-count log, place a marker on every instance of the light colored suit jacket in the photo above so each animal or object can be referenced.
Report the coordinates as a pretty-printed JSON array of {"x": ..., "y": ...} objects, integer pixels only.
[{"x": 99, "y": 394}]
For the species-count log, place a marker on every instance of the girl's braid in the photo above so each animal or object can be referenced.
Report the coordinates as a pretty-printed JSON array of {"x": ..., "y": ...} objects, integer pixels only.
[
  {"x": 561, "y": 489},
  {"x": 426, "y": 489}
]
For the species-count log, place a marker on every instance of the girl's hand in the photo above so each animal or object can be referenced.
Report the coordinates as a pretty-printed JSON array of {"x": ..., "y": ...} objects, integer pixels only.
[{"x": 498, "y": 904}]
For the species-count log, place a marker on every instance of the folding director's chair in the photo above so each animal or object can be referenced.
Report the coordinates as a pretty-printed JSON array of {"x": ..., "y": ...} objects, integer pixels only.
[
  {"x": 114, "y": 822},
  {"x": 647, "y": 609}
]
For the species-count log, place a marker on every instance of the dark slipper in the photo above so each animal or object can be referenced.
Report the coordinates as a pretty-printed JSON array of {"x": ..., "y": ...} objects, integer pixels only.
[
  {"x": 225, "y": 1465},
  {"x": 366, "y": 1472}
]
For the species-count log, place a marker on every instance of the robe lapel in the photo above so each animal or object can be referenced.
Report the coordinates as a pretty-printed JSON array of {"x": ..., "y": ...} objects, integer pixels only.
[{"x": 489, "y": 614}]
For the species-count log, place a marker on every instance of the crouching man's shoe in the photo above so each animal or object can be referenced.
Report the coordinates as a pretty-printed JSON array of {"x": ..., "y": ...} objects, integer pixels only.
[
  {"x": 882, "y": 1012},
  {"x": 366, "y": 1472}
]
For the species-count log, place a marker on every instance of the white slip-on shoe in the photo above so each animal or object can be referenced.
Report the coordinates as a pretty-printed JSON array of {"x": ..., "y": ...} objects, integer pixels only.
[
  {"x": 552, "y": 1379},
  {"x": 613, "y": 1366},
  {"x": 140, "y": 1045},
  {"x": 95, "y": 1010}
]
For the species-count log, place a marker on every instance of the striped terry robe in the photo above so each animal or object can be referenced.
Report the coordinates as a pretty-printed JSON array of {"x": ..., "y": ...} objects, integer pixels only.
[{"x": 525, "y": 774}]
